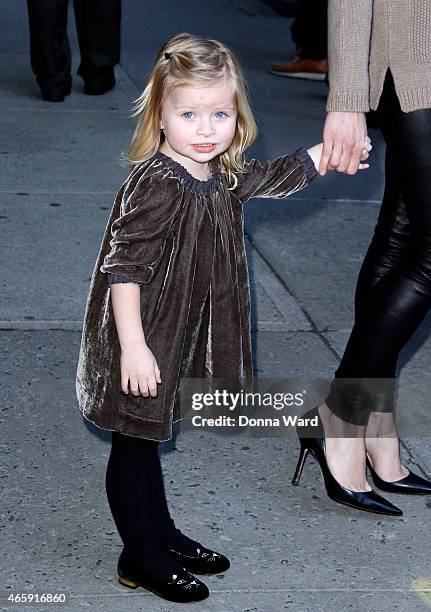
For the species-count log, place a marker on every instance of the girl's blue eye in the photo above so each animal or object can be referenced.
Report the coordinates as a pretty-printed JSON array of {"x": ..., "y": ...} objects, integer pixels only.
[{"x": 218, "y": 114}]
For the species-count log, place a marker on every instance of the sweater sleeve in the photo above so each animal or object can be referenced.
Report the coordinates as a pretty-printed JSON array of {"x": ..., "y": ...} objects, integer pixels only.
[
  {"x": 349, "y": 33},
  {"x": 140, "y": 233},
  {"x": 277, "y": 178}
]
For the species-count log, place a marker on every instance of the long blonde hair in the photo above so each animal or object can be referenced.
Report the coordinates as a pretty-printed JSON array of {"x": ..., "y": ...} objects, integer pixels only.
[{"x": 188, "y": 59}]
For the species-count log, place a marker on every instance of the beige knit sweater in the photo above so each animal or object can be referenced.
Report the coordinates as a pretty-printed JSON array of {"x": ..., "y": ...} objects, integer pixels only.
[{"x": 365, "y": 37}]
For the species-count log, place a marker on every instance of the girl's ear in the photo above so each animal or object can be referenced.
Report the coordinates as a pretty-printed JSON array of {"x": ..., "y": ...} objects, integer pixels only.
[{"x": 162, "y": 127}]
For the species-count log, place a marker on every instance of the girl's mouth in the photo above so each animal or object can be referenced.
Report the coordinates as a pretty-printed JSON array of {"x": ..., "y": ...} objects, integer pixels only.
[{"x": 204, "y": 147}]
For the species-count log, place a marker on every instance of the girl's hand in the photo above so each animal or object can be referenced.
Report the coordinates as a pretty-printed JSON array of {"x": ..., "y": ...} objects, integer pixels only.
[
  {"x": 366, "y": 153},
  {"x": 139, "y": 366}
]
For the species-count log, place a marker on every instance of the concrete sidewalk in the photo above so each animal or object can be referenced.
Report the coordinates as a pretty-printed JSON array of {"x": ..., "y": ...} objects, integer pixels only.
[{"x": 290, "y": 548}]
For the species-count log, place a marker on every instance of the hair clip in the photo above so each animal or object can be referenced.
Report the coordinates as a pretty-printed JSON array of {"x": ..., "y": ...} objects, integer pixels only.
[{"x": 168, "y": 56}]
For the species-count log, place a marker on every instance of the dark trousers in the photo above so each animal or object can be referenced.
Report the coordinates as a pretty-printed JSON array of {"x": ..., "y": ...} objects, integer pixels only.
[
  {"x": 98, "y": 26},
  {"x": 393, "y": 292},
  {"x": 310, "y": 29}
]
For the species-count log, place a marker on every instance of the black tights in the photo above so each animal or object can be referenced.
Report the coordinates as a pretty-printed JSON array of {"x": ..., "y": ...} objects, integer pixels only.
[
  {"x": 393, "y": 292},
  {"x": 136, "y": 496}
]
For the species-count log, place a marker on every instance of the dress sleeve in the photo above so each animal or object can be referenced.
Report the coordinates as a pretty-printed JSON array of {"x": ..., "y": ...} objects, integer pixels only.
[
  {"x": 147, "y": 214},
  {"x": 277, "y": 178},
  {"x": 119, "y": 278}
]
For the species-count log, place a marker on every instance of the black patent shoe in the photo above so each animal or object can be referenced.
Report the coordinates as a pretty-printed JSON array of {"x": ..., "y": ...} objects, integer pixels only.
[
  {"x": 369, "y": 501},
  {"x": 181, "y": 587},
  {"x": 55, "y": 95},
  {"x": 52, "y": 97},
  {"x": 99, "y": 83},
  {"x": 412, "y": 484},
  {"x": 55, "y": 88},
  {"x": 203, "y": 561}
]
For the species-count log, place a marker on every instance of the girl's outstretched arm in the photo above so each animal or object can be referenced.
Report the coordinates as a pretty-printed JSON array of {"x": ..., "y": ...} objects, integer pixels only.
[
  {"x": 276, "y": 178},
  {"x": 138, "y": 363}
]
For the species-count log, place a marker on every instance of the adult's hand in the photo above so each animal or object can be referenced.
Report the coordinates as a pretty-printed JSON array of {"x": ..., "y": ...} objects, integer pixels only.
[{"x": 344, "y": 136}]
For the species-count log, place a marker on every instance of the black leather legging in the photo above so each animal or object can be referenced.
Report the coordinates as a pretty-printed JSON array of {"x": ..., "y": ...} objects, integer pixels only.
[{"x": 393, "y": 292}]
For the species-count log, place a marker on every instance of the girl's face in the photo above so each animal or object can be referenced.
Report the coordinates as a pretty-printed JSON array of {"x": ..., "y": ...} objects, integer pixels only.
[{"x": 199, "y": 123}]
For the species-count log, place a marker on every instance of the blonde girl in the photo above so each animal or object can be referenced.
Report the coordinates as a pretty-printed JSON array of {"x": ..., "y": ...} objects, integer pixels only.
[{"x": 169, "y": 296}]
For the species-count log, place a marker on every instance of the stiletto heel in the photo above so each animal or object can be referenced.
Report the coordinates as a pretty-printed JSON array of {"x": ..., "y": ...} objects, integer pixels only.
[
  {"x": 301, "y": 461},
  {"x": 411, "y": 484},
  {"x": 368, "y": 501}
]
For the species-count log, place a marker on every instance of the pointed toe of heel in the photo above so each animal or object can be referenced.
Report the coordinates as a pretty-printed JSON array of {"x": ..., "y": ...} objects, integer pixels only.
[
  {"x": 412, "y": 484},
  {"x": 369, "y": 501}
]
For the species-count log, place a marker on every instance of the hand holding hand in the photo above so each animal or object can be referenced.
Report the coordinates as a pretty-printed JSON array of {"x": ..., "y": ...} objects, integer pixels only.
[
  {"x": 139, "y": 365},
  {"x": 316, "y": 154},
  {"x": 344, "y": 141},
  {"x": 365, "y": 155}
]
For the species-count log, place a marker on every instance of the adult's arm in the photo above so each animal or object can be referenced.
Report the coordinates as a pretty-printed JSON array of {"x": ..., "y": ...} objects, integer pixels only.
[{"x": 349, "y": 31}]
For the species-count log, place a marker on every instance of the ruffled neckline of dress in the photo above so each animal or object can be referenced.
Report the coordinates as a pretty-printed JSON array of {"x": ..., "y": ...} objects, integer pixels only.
[{"x": 201, "y": 187}]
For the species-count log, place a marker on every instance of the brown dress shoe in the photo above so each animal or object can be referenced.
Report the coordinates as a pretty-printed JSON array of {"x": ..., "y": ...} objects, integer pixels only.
[{"x": 302, "y": 68}]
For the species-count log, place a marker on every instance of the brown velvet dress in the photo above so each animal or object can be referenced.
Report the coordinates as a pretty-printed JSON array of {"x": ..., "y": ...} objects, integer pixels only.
[{"x": 182, "y": 241}]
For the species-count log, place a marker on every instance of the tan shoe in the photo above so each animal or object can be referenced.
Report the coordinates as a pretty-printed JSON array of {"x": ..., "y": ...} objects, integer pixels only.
[{"x": 302, "y": 68}]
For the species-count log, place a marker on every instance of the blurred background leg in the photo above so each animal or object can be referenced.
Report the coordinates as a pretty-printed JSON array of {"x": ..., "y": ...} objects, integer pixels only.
[
  {"x": 309, "y": 33},
  {"x": 98, "y": 25},
  {"x": 49, "y": 47}
]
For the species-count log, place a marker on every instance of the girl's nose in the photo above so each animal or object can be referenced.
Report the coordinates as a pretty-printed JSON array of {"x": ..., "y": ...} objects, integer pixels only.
[{"x": 205, "y": 128}]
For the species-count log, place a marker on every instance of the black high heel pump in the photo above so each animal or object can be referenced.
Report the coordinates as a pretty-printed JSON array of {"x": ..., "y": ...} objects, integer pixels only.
[
  {"x": 369, "y": 501},
  {"x": 411, "y": 484}
]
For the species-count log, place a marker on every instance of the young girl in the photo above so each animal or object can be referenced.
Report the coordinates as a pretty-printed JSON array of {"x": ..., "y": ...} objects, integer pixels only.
[{"x": 169, "y": 296}]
